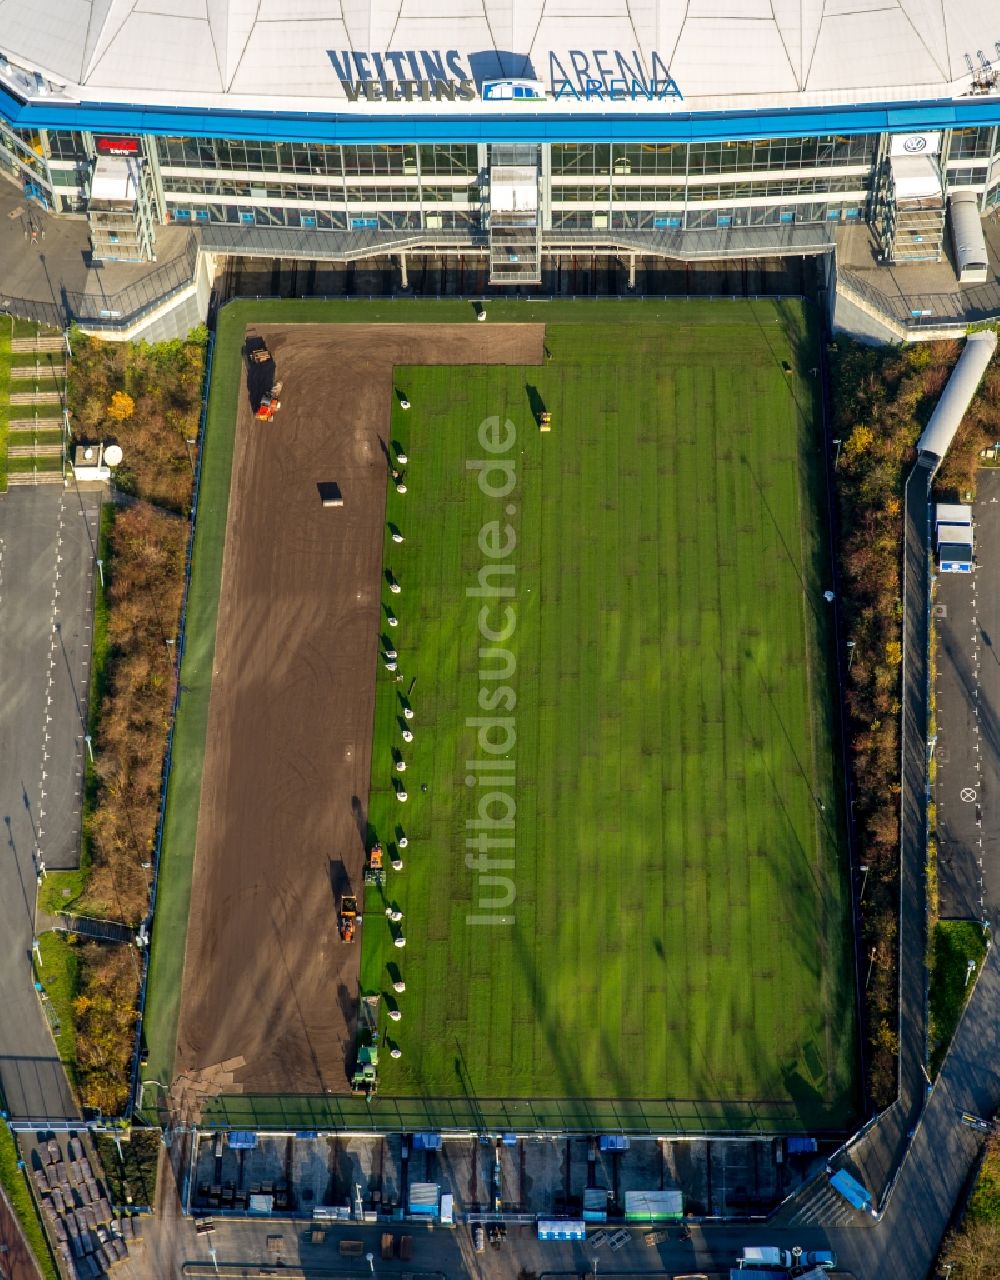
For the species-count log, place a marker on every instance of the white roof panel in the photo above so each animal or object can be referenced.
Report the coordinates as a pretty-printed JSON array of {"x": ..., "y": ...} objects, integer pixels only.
[
  {"x": 735, "y": 56},
  {"x": 722, "y": 54},
  {"x": 176, "y": 53}
]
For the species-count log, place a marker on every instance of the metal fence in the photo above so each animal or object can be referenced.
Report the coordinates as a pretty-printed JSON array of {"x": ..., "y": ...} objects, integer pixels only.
[
  {"x": 112, "y": 312},
  {"x": 916, "y": 311},
  {"x": 309, "y": 1115}
]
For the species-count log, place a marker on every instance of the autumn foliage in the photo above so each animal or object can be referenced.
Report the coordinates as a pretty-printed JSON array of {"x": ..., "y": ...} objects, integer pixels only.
[
  {"x": 882, "y": 400},
  {"x": 145, "y": 584},
  {"x": 162, "y": 384},
  {"x": 122, "y": 407},
  {"x": 147, "y": 398},
  {"x": 104, "y": 1012}
]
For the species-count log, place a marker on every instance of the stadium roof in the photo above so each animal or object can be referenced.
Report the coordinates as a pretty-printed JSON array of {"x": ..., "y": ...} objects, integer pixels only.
[{"x": 276, "y": 54}]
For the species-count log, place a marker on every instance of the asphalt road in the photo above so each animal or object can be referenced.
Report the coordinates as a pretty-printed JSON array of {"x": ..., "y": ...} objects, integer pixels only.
[
  {"x": 47, "y": 541},
  {"x": 967, "y": 787}
]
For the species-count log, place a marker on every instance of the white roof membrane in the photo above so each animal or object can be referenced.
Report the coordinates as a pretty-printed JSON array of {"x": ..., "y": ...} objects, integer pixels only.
[{"x": 722, "y": 54}]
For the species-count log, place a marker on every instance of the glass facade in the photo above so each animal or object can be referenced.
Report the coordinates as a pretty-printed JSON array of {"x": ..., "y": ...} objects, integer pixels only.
[{"x": 413, "y": 186}]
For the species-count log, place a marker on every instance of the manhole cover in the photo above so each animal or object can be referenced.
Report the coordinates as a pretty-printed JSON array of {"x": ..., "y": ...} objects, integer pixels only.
[{"x": 940, "y": 611}]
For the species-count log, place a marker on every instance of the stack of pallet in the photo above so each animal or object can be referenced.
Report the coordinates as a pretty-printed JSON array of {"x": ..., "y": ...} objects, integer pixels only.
[{"x": 88, "y": 1235}]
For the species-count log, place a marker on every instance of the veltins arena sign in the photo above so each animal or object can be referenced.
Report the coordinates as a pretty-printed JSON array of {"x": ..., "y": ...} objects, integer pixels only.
[{"x": 449, "y": 75}]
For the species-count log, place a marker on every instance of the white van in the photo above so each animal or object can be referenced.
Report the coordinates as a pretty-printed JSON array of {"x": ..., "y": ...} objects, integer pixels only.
[{"x": 766, "y": 1256}]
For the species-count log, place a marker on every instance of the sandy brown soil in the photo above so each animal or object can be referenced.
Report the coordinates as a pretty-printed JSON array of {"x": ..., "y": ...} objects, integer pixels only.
[{"x": 269, "y": 992}]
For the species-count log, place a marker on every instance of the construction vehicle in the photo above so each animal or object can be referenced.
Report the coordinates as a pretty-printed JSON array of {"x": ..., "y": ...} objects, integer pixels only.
[
  {"x": 269, "y": 403},
  {"x": 347, "y": 918},
  {"x": 374, "y": 870},
  {"x": 264, "y": 389},
  {"x": 364, "y": 1081}
]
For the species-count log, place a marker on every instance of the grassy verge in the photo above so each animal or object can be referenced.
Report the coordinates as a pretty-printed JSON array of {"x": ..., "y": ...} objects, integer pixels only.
[
  {"x": 59, "y": 974},
  {"x": 180, "y": 825},
  {"x": 40, "y": 435},
  {"x": 21, "y": 466},
  {"x": 957, "y": 951},
  {"x": 984, "y": 1204},
  {"x": 5, "y": 362},
  {"x": 43, "y": 412},
  {"x": 61, "y": 891},
  {"x": 131, "y": 1175},
  {"x": 15, "y": 1183}
]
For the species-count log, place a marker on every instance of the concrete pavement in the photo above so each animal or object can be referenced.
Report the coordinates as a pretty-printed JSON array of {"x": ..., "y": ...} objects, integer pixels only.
[
  {"x": 60, "y": 262},
  {"x": 967, "y": 787},
  {"x": 48, "y": 538}
]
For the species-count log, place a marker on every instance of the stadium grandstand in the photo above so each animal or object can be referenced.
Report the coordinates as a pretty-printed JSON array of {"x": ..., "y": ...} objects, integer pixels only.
[{"x": 326, "y": 128}]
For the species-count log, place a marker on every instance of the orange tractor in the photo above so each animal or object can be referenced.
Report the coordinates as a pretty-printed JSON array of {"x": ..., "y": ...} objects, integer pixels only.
[
  {"x": 269, "y": 404},
  {"x": 268, "y": 393},
  {"x": 374, "y": 871}
]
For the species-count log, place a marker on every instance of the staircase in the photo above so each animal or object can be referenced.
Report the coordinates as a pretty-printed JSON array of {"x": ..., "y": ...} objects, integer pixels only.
[
  {"x": 515, "y": 233},
  {"x": 35, "y": 396},
  {"x": 912, "y": 212}
]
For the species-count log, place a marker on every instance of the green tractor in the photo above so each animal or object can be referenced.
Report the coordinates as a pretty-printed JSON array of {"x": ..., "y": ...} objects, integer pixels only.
[{"x": 364, "y": 1081}]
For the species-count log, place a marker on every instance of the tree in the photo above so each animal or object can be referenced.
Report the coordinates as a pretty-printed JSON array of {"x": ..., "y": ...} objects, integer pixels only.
[
  {"x": 122, "y": 407},
  {"x": 973, "y": 1251}
]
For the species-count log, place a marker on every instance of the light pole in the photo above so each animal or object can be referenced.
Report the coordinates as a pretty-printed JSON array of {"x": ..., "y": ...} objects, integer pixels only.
[
  {"x": 90, "y": 747},
  {"x": 836, "y": 456},
  {"x": 864, "y": 869},
  {"x": 370, "y": 1259},
  {"x": 851, "y": 646},
  {"x": 100, "y": 572},
  {"x": 871, "y": 965},
  {"x": 188, "y": 443}
]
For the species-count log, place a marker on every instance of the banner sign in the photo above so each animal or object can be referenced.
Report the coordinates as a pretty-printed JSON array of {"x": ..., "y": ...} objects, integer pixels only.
[
  {"x": 117, "y": 146},
  {"x": 448, "y": 75}
]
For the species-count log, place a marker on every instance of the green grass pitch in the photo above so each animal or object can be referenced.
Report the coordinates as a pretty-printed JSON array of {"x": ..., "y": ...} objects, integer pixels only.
[{"x": 680, "y": 923}]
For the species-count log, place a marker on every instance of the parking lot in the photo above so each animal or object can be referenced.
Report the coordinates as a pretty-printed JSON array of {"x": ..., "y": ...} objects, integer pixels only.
[{"x": 532, "y": 1176}]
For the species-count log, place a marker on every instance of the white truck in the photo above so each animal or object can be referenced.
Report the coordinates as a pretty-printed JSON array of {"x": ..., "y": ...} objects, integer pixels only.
[{"x": 766, "y": 1256}]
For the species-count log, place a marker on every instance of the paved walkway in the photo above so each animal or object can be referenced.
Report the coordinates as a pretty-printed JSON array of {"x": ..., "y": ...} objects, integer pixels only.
[
  {"x": 967, "y": 788},
  {"x": 60, "y": 262}
]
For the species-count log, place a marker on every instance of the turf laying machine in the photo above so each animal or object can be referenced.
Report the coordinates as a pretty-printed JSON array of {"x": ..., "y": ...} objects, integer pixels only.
[
  {"x": 347, "y": 918},
  {"x": 374, "y": 870},
  {"x": 364, "y": 1081},
  {"x": 264, "y": 389}
]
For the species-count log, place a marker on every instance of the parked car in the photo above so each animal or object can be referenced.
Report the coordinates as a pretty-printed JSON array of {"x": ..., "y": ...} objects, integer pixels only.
[{"x": 818, "y": 1258}]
